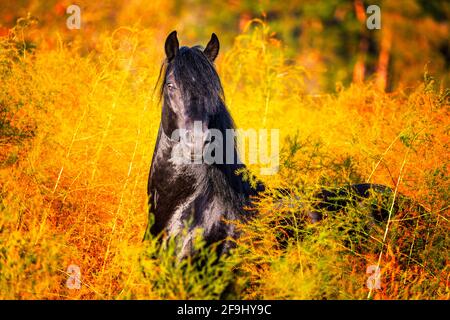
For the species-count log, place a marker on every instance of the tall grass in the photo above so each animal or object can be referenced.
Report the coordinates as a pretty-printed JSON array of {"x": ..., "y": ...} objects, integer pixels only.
[{"x": 77, "y": 133}]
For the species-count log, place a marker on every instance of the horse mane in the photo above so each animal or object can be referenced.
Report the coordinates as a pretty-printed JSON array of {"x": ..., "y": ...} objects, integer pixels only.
[{"x": 195, "y": 73}]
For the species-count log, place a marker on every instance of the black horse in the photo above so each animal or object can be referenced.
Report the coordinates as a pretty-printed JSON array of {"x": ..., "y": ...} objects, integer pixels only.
[
  {"x": 185, "y": 197},
  {"x": 196, "y": 196}
]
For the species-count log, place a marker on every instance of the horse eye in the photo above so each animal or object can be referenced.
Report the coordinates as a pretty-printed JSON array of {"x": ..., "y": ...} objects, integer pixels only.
[{"x": 170, "y": 85}]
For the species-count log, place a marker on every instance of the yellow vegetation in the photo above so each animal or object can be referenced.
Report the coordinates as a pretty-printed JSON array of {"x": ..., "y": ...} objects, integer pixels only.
[{"x": 78, "y": 132}]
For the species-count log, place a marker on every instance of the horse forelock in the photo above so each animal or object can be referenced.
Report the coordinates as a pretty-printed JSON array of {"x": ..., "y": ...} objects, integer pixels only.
[{"x": 197, "y": 78}]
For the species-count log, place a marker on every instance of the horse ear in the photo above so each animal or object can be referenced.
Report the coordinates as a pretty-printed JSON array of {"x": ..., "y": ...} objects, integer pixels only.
[
  {"x": 212, "y": 48},
  {"x": 171, "y": 46}
]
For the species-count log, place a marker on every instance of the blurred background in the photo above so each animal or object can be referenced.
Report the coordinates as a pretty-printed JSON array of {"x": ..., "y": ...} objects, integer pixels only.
[{"x": 328, "y": 38}]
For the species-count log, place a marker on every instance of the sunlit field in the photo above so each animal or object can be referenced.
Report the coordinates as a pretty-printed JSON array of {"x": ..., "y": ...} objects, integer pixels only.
[{"x": 79, "y": 115}]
